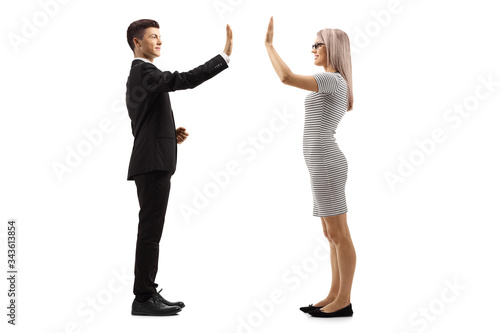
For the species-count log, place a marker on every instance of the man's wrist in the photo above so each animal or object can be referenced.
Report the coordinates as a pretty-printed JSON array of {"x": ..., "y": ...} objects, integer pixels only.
[{"x": 225, "y": 56}]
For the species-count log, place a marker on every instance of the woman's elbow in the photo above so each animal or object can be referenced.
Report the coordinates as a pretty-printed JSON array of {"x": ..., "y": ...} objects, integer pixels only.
[{"x": 285, "y": 79}]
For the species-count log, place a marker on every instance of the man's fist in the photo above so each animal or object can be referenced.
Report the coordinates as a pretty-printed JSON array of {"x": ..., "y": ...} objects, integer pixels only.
[{"x": 181, "y": 134}]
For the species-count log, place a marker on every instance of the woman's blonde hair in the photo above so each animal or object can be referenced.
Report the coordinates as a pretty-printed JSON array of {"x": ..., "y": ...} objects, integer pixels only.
[{"x": 338, "y": 55}]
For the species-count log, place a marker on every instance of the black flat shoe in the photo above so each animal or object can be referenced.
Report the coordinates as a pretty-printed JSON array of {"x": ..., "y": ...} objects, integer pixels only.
[
  {"x": 344, "y": 312},
  {"x": 153, "y": 307},
  {"x": 307, "y": 309},
  {"x": 164, "y": 301}
]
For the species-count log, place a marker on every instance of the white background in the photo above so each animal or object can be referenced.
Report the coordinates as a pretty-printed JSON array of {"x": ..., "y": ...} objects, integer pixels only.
[{"x": 434, "y": 228}]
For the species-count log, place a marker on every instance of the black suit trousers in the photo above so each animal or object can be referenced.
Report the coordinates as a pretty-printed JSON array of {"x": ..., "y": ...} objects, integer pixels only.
[{"x": 153, "y": 189}]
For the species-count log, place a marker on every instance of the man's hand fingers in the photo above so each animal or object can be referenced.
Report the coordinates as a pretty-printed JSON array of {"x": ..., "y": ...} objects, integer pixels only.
[
  {"x": 229, "y": 40},
  {"x": 181, "y": 135}
]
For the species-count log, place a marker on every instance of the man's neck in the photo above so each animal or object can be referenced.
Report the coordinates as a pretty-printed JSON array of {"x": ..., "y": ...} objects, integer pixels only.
[{"x": 142, "y": 56}]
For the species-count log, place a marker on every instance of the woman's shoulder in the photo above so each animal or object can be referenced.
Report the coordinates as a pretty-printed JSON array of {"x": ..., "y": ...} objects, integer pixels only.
[
  {"x": 328, "y": 82},
  {"x": 328, "y": 75}
]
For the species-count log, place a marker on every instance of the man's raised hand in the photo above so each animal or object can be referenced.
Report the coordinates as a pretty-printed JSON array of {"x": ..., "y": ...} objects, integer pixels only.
[{"x": 229, "y": 41}]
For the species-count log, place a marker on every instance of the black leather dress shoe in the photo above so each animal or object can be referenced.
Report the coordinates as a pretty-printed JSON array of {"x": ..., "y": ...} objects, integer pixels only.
[
  {"x": 307, "y": 309},
  {"x": 344, "y": 312},
  {"x": 153, "y": 307},
  {"x": 164, "y": 301}
]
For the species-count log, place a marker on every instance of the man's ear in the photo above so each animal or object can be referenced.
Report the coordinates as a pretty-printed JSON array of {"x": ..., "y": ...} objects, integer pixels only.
[{"x": 136, "y": 42}]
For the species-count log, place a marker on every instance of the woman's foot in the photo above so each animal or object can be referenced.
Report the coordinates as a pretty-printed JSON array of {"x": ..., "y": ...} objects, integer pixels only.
[
  {"x": 324, "y": 302},
  {"x": 337, "y": 304}
]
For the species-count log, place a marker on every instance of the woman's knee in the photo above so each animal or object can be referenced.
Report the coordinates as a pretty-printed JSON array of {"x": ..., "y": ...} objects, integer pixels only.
[
  {"x": 337, "y": 236},
  {"x": 325, "y": 231},
  {"x": 336, "y": 228}
]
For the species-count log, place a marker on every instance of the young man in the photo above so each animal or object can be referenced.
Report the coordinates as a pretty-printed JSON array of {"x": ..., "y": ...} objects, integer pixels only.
[{"x": 154, "y": 155}]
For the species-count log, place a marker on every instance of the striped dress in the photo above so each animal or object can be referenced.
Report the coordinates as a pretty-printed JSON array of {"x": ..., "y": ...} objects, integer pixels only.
[{"x": 325, "y": 161}]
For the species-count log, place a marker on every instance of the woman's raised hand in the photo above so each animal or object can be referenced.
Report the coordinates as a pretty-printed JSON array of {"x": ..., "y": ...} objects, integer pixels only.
[{"x": 270, "y": 32}]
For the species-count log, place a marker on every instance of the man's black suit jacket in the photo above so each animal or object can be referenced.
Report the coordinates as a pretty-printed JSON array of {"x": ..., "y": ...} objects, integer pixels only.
[{"x": 148, "y": 104}]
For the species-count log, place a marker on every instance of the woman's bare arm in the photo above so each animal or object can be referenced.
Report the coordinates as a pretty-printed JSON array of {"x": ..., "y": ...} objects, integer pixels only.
[{"x": 307, "y": 82}]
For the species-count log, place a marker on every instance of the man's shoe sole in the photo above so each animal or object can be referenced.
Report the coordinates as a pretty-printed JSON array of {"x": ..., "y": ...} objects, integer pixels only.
[{"x": 138, "y": 313}]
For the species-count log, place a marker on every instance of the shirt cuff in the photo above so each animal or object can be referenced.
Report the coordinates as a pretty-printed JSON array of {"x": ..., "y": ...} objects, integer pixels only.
[{"x": 225, "y": 56}]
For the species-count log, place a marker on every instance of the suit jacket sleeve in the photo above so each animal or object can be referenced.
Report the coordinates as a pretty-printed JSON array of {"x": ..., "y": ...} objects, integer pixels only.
[{"x": 157, "y": 81}]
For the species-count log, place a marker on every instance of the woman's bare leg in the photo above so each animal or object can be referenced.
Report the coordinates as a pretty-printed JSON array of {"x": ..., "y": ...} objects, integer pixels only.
[
  {"x": 338, "y": 232},
  {"x": 334, "y": 289}
]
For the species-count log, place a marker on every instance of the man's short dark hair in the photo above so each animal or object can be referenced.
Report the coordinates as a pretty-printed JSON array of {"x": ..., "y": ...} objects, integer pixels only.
[{"x": 137, "y": 28}]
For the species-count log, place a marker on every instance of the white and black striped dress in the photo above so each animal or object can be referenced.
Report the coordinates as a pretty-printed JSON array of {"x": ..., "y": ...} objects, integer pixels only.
[{"x": 325, "y": 161}]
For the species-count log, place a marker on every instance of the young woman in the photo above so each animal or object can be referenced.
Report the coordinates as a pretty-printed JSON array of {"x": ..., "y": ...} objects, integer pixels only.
[{"x": 330, "y": 98}]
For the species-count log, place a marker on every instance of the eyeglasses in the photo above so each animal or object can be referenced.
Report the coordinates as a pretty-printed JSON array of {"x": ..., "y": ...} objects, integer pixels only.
[{"x": 315, "y": 46}]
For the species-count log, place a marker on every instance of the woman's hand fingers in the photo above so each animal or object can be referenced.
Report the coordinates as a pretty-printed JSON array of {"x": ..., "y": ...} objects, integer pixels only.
[{"x": 270, "y": 32}]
